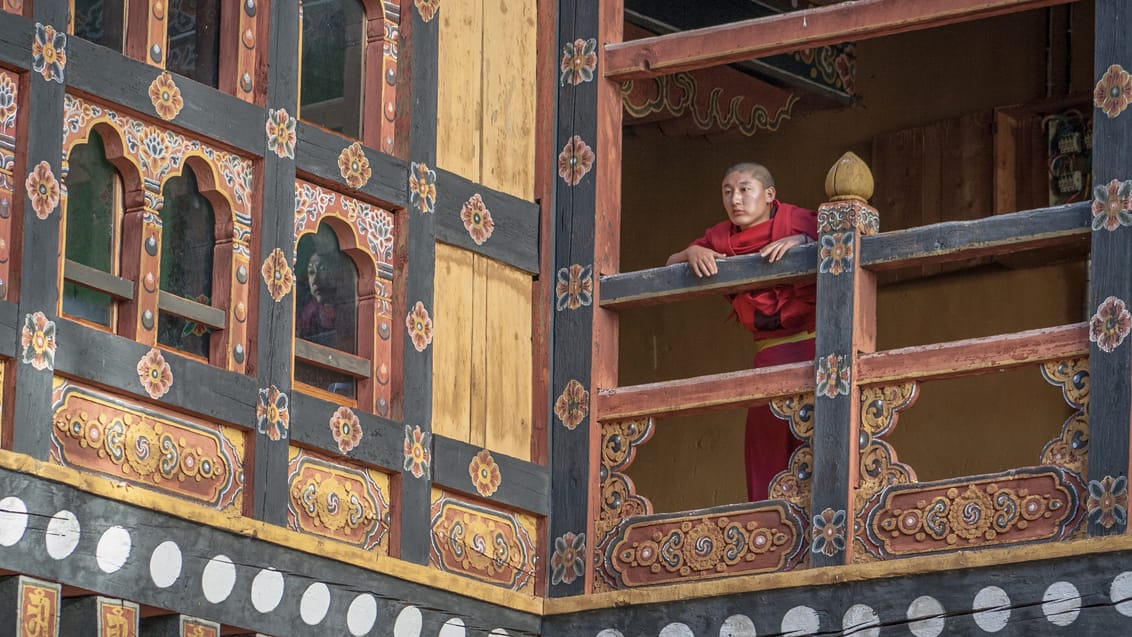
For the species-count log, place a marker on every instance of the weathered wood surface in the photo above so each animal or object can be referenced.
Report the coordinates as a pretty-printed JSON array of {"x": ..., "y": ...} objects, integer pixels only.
[
  {"x": 459, "y": 116},
  {"x": 763, "y": 37},
  {"x": 944, "y": 242},
  {"x": 506, "y": 366},
  {"x": 523, "y": 485},
  {"x": 316, "y": 154},
  {"x": 508, "y": 109},
  {"x": 15, "y": 34},
  {"x": 382, "y": 439},
  {"x": 452, "y": 341},
  {"x": 514, "y": 239},
  {"x": 9, "y": 328}
]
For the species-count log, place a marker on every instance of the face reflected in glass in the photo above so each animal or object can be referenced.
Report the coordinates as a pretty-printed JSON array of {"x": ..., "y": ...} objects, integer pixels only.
[{"x": 322, "y": 277}]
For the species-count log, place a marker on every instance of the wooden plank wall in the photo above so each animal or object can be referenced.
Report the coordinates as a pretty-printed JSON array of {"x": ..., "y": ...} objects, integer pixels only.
[{"x": 482, "y": 328}]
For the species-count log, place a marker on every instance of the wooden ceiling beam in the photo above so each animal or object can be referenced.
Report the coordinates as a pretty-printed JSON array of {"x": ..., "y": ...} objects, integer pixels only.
[{"x": 761, "y": 37}]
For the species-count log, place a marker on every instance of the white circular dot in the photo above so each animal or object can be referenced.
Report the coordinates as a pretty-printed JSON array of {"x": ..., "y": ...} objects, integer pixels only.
[
  {"x": 62, "y": 535},
  {"x": 452, "y": 628},
  {"x": 113, "y": 549},
  {"x": 314, "y": 604},
  {"x": 1061, "y": 603},
  {"x": 13, "y": 520},
  {"x": 218, "y": 579},
  {"x": 165, "y": 564},
  {"x": 1121, "y": 593},
  {"x": 267, "y": 590},
  {"x": 992, "y": 609},
  {"x": 610, "y": 632},
  {"x": 676, "y": 629},
  {"x": 362, "y": 615},
  {"x": 861, "y": 621},
  {"x": 738, "y": 626},
  {"x": 409, "y": 622},
  {"x": 499, "y": 631},
  {"x": 801, "y": 620},
  {"x": 925, "y": 616}
]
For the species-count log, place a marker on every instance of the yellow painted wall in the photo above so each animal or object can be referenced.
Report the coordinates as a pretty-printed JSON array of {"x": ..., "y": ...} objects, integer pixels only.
[
  {"x": 482, "y": 362},
  {"x": 671, "y": 193}
]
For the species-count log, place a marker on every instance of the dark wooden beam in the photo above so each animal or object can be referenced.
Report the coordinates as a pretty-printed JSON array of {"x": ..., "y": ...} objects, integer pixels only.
[
  {"x": 316, "y": 155},
  {"x": 524, "y": 485},
  {"x": 514, "y": 240},
  {"x": 763, "y": 37},
  {"x": 382, "y": 439}
]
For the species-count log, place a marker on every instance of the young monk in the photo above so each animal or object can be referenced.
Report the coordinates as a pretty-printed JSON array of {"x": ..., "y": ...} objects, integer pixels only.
[{"x": 780, "y": 317}]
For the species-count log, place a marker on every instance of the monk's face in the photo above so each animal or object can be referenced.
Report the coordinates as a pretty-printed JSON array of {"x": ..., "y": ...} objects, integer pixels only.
[{"x": 746, "y": 200}]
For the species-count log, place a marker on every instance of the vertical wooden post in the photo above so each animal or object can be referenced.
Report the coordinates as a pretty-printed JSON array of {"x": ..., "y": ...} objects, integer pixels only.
[
  {"x": 273, "y": 344},
  {"x": 587, "y": 231},
  {"x": 845, "y": 328},
  {"x": 36, "y": 178},
  {"x": 1110, "y": 286},
  {"x": 422, "y": 28}
]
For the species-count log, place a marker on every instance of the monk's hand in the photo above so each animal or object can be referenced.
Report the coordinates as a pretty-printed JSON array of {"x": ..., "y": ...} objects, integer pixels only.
[
  {"x": 775, "y": 250},
  {"x": 702, "y": 260}
]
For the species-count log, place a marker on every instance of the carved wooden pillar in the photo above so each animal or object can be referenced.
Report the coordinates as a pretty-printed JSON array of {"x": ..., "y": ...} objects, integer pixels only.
[{"x": 846, "y": 297}]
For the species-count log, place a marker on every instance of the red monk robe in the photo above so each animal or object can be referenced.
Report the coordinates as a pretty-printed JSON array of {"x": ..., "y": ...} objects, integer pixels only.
[{"x": 774, "y": 315}]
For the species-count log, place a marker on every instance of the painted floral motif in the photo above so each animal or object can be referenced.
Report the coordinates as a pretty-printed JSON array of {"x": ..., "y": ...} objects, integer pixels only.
[
  {"x": 579, "y": 59},
  {"x": 846, "y": 66},
  {"x": 346, "y": 429},
  {"x": 567, "y": 563},
  {"x": 43, "y": 190},
  {"x": 1114, "y": 91},
  {"x": 165, "y": 96},
  {"x": 836, "y": 253},
  {"x": 575, "y": 160},
  {"x": 422, "y": 188},
  {"x": 832, "y": 377},
  {"x": 1108, "y": 502},
  {"x": 573, "y": 404},
  {"x": 477, "y": 219},
  {"x": 417, "y": 455},
  {"x": 1112, "y": 205},
  {"x": 277, "y": 275},
  {"x": 273, "y": 417},
  {"x": 420, "y": 327},
  {"x": 485, "y": 473},
  {"x": 354, "y": 166},
  {"x": 8, "y": 104},
  {"x": 49, "y": 52},
  {"x": 37, "y": 341},
  {"x": 574, "y": 288},
  {"x": 281, "y": 133},
  {"x": 1110, "y": 325},
  {"x": 828, "y": 532},
  {"x": 154, "y": 374},
  {"x": 427, "y": 9}
]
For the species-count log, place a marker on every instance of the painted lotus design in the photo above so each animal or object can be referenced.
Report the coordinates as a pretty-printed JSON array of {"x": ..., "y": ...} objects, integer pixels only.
[
  {"x": 477, "y": 219},
  {"x": 43, "y": 190},
  {"x": 37, "y": 341},
  {"x": 165, "y": 96},
  {"x": 277, "y": 275},
  {"x": 1113, "y": 91},
  {"x": 485, "y": 473},
  {"x": 1110, "y": 325},
  {"x": 420, "y": 327},
  {"x": 572, "y": 405},
  {"x": 1111, "y": 205},
  {"x": 574, "y": 287},
  {"x": 417, "y": 454},
  {"x": 422, "y": 188},
  {"x": 345, "y": 429},
  {"x": 154, "y": 374},
  {"x": 567, "y": 563},
  {"x": 49, "y": 52},
  {"x": 575, "y": 160},
  {"x": 273, "y": 417},
  {"x": 354, "y": 166},
  {"x": 281, "y": 133},
  {"x": 579, "y": 59}
]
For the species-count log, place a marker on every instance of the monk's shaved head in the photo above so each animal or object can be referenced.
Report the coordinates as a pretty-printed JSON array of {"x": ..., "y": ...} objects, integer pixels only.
[{"x": 758, "y": 171}]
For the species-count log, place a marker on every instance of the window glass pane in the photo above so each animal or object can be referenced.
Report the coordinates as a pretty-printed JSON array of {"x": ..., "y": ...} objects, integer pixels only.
[
  {"x": 100, "y": 21},
  {"x": 333, "y": 37},
  {"x": 93, "y": 191},
  {"x": 327, "y": 306},
  {"x": 187, "y": 227},
  {"x": 194, "y": 39}
]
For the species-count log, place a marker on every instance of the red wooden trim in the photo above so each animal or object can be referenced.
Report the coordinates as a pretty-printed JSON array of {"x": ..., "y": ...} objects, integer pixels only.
[
  {"x": 373, "y": 102},
  {"x": 975, "y": 355},
  {"x": 762, "y": 37}
]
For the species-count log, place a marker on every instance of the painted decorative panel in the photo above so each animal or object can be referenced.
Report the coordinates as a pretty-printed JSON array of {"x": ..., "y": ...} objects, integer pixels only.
[
  {"x": 117, "y": 618},
  {"x": 338, "y": 501},
  {"x": 184, "y": 456},
  {"x": 721, "y": 542},
  {"x": 38, "y": 613},
  {"x": 158, "y": 153},
  {"x": 1021, "y": 505},
  {"x": 9, "y": 111},
  {"x": 486, "y": 544}
]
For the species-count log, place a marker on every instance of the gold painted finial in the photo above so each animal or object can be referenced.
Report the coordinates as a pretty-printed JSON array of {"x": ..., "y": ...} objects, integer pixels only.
[{"x": 849, "y": 178}]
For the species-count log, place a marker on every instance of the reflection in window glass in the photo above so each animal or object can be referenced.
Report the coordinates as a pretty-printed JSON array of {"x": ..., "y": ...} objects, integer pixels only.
[
  {"x": 194, "y": 39},
  {"x": 187, "y": 226},
  {"x": 93, "y": 200},
  {"x": 332, "y": 64},
  {"x": 100, "y": 21},
  {"x": 327, "y": 306}
]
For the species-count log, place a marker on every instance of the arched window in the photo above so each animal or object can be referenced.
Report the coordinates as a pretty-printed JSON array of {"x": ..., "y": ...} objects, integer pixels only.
[
  {"x": 194, "y": 40},
  {"x": 92, "y": 231},
  {"x": 100, "y": 21},
  {"x": 187, "y": 318},
  {"x": 333, "y": 61},
  {"x": 326, "y": 316}
]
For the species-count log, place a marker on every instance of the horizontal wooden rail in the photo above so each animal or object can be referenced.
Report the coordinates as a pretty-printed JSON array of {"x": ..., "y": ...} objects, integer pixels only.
[
  {"x": 922, "y": 362},
  {"x": 794, "y": 31},
  {"x": 95, "y": 279},
  {"x": 938, "y": 243},
  {"x": 331, "y": 358},
  {"x": 188, "y": 309}
]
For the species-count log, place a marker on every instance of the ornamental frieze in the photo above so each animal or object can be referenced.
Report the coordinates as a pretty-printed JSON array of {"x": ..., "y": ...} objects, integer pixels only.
[
  {"x": 337, "y": 501},
  {"x": 200, "y": 461},
  {"x": 485, "y": 544}
]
